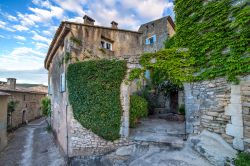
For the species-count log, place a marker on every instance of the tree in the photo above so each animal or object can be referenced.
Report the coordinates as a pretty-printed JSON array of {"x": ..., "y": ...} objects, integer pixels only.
[{"x": 46, "y": 108}]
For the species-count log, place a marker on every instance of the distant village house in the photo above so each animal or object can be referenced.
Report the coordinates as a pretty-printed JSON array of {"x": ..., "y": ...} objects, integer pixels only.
[{"x": 24, "y": 101}]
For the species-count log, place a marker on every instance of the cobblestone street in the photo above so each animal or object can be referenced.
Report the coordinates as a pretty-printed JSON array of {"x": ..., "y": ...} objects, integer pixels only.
[{"x": 32, "y": 145}]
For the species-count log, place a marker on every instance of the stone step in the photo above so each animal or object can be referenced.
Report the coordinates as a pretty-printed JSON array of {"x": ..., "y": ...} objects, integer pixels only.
[
  {"x": 173, "y": 141},
  {"x": 167, "y": 133}
]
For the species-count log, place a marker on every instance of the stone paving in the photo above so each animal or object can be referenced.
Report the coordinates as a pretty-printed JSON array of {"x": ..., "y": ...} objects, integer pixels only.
[
  {"x": 32, "y": 145},
  {"x": 159, "y": 130}
]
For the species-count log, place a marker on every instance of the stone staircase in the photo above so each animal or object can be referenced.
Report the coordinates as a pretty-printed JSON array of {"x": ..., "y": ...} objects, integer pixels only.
[{"x": 171, "y": 133}]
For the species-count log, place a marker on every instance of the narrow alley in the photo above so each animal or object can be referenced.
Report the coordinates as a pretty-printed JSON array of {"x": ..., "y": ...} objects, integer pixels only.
[{"x": 32, "y": 145}]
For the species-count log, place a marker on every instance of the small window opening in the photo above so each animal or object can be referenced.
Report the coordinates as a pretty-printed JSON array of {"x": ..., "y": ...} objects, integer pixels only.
[
  {"x": 107, "y": 45},
  {"x": 103, "y": 44},
  {"x": 151, "y": 40}
]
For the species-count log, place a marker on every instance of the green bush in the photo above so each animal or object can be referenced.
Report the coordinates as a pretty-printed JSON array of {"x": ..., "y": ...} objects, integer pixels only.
[
  {"x": 243, "y": 159},
  {"x": 138, "y": 109},
  {"x": 46, "y": 106},
  {"x": 182, "y": 109},
  {"x": 12, "y": 105},
  {"x": 94, "y": 93}
]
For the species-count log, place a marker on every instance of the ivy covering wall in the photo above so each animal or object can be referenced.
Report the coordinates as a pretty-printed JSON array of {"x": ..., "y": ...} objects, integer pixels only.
[
  {"x": 212, "y": 40},
  {"x": 217, "y": 34},
  {"x": 94, "y": 93}
]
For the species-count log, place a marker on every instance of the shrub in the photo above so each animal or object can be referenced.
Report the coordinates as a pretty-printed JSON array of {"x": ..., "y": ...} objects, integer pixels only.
[
  {"x": 12, "y": 105},
  {"x": 138, "y": 109},
  {"x": 94, "y": 93},
  {"x": 46, "y": 106},
  {"x": 182, "y": 109},
  {"x": 243, "y": 159}
]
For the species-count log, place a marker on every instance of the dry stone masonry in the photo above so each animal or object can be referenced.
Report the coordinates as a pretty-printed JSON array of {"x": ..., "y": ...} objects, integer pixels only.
[{"x": 219, "y": 107}]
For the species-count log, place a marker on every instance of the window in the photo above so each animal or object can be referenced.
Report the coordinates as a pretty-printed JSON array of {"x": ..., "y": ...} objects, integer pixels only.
[
  {"x": 107, "y": 45},
  {"x": 102, "y": 44},
  {"x": 151, "y": 40},
  {"x": 147, "y": 74},
  {"x": 24, "y": 97},
  {"x": 50, "y": 90},
  {"x": 62, "y": 82}
]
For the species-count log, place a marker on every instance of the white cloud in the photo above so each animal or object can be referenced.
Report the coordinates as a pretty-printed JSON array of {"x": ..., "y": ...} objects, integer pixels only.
[
  {"x": 10, "y": 17},
  {"x": 42, "y": 3},
  {"x": 20, "y": 28},
  {"x": 48, "y": 33},
  {"x": 4, "y": 25},
  {"x": 75, "y": 6},
  {"x": 22, "y": 58},
  {"x": 76, "y": 19},
  {"x": 20, "y": 38},
  {"x": 1, "y": 36},
  {"x": 40, "y": 38},
  {"x": 39, "y": 15},
  {"x": 41, "y": 45},
  {"x": 149, "y": 9}
]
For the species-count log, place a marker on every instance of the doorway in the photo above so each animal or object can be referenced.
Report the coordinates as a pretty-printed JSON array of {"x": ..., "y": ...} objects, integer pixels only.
[{"x": 24, "y": 117}]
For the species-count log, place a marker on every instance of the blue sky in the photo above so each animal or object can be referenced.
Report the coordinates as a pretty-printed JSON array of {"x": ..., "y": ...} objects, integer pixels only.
[{"x": 27, "y": 27}]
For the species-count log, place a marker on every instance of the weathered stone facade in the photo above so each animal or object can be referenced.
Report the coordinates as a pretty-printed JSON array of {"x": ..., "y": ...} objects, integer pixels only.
[
  {"x": 217, "y": 106},
  {"x": 162, "y": 29},
  {"x": 84, "y": 42},
  {"x": 3, "y": 119},
  {"x": 28, "y": 105},
  {"x": 245, "y": 98}
]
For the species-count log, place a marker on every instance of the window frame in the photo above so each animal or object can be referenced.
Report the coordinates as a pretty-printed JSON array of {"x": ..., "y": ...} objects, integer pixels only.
[
  {"x": 62, "y": 82},
  {"x": 107, "y": 45}
]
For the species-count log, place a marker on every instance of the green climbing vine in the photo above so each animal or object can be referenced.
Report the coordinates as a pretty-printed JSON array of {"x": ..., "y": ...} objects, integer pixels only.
[
  {"x": 170, "y": 64},
  {"x": 217, "y": 34},
  {"x": 212, "y": 40}
]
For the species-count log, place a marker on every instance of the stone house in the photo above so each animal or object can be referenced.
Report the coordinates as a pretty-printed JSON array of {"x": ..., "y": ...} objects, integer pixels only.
[
  {"x": 27, "y": 99},
  {"x": 85, "y": 41},
  {"x": 3, "y": 119}
]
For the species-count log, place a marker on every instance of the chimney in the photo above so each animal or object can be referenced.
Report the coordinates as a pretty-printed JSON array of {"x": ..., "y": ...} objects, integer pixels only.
[
  {"x": 11, "y": 83},
  {"x": 114, "y": 25},
  {"x": 88, "y": 20}
]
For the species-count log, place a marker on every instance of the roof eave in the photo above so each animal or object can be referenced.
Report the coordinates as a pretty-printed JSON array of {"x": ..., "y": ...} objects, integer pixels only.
[{"x": 61, "y": 32}]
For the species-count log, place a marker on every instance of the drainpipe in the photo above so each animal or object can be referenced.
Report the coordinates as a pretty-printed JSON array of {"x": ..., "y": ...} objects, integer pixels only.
[{"x": 67, "y": 133}]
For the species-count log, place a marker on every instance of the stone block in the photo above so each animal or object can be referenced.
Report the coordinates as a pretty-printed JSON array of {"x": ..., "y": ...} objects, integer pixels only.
[
  {"x": 235, "y": 99},
  {"x": 246, "y": 111},
  {"x": 213, "y": 148},
  {"x": 246, "y": 123},
  {"x": 235, "y": 131},
  {"x": 126, "y": 150},
  {"x": 212, "y": 113},
  {"x": 237, "y": 120},
  {"x": 233, "y": 109},
  {"x": 246, "y": 134},
  {"x": 246, "y": 118},
  {"x": 207, "y": 117},
  {"x": 238, "y": 144},
  {"x": 246, "y": 104},
  {"x": 235, "y": 89}
]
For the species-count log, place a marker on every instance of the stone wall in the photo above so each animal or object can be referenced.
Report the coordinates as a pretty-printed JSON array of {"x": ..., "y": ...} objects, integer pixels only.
[
  {"x": 3, "y": 119},
  {"x": 160, "y": 29},
  {"x": 216, "y": 106},
  {"x": 83, "y": 142},
  {"x": 28, "y": 107},
  {"x": 245, "y": 90},
  {"x": 123, "y": 42}
]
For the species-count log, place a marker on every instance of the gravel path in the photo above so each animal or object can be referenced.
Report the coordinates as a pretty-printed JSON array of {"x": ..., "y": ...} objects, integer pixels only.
[{"x": 32, "y": 145}]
